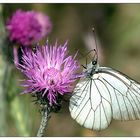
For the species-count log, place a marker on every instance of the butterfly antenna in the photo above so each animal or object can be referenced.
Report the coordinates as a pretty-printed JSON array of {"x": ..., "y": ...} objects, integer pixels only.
[
  {"x": 85, "y": 67},
  {"x": 86, "y": 61},
  {"x": 94, "y": 36}
]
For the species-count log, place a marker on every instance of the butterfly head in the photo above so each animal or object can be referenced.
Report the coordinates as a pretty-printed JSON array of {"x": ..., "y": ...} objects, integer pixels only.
[{"x": 92, "y": 67}]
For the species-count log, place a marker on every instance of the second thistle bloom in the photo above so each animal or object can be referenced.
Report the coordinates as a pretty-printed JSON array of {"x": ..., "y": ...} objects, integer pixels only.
[
  {"x": 28, "y": 27},
  {"x": 50, "y": 71}
]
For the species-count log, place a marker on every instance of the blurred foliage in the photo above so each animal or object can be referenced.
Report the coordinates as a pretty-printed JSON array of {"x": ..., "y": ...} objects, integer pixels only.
[
  {"x": 117, "y": 28},
  {"x": 3, "y": 105}
]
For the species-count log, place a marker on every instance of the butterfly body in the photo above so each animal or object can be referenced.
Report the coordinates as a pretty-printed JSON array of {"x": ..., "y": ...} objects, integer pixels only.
[
  {"x": 91, "y": 69},
  {"x": 102, "y": 94}
]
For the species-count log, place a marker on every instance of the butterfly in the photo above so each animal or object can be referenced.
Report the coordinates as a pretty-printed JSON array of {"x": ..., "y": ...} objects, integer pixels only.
[{"x": 104, "y": 94}]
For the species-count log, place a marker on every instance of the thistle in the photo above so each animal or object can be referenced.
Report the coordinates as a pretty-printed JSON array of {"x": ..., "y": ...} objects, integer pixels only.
[
  {"x": 51, "y": 74},
  {"x": 26, "y": 28}
]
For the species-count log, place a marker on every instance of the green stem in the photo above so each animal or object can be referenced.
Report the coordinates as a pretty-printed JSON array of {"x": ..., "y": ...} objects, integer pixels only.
[
  {"x": 44, "y": 122},
  {"x": 19, "y": 117},
  {"x": 2, "y": 79},
  {"x": 2, "y": 101}
]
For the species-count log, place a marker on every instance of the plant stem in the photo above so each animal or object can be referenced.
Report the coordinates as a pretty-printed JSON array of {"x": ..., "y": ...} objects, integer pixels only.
[
  {"x": 44, "y": 122},
  {"x": 19, "y": 117},
  {"x": 15, "y": 54},
  {"x": 3, "y": 104},
  {"x": 2, "y": 99}
]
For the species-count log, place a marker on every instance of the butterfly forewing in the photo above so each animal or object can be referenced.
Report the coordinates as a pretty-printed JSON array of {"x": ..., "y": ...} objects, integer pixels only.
[
  {"x": 107, "y": 94},
  {"x": 91, "y": 110}
]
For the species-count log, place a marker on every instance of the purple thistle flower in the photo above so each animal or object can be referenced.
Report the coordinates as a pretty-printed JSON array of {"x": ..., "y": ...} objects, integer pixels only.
[
  {"x": 50, "y": 71},
  {"x": 26, "y": 28}
]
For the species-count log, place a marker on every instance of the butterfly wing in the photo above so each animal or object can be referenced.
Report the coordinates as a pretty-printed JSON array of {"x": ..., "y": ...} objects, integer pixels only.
[
  {"x": 124, "y": 92},
  {"x": 88, "y": 107},
  {"x": 107, "y": 94}
]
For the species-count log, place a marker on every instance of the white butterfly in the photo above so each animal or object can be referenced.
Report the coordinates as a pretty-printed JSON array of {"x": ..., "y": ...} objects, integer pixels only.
[{"x": 103, "y": 94}]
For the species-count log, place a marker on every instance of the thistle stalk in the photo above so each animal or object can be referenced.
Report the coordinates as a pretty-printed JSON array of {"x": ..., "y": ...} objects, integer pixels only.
[
  {"x": 15, "y": 54},
  {"x": 44, "y": 122},
  {"x": 3, "y": 67}
]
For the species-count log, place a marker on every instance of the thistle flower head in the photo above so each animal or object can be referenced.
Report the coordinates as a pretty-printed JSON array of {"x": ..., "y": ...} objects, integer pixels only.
[
  {"x": 50, "y": 71},
  {"x": 28, "y": 27}
]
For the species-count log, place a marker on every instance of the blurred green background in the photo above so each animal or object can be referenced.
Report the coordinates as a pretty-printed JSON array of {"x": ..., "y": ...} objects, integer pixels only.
[{"x": 118, "y": 35}]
